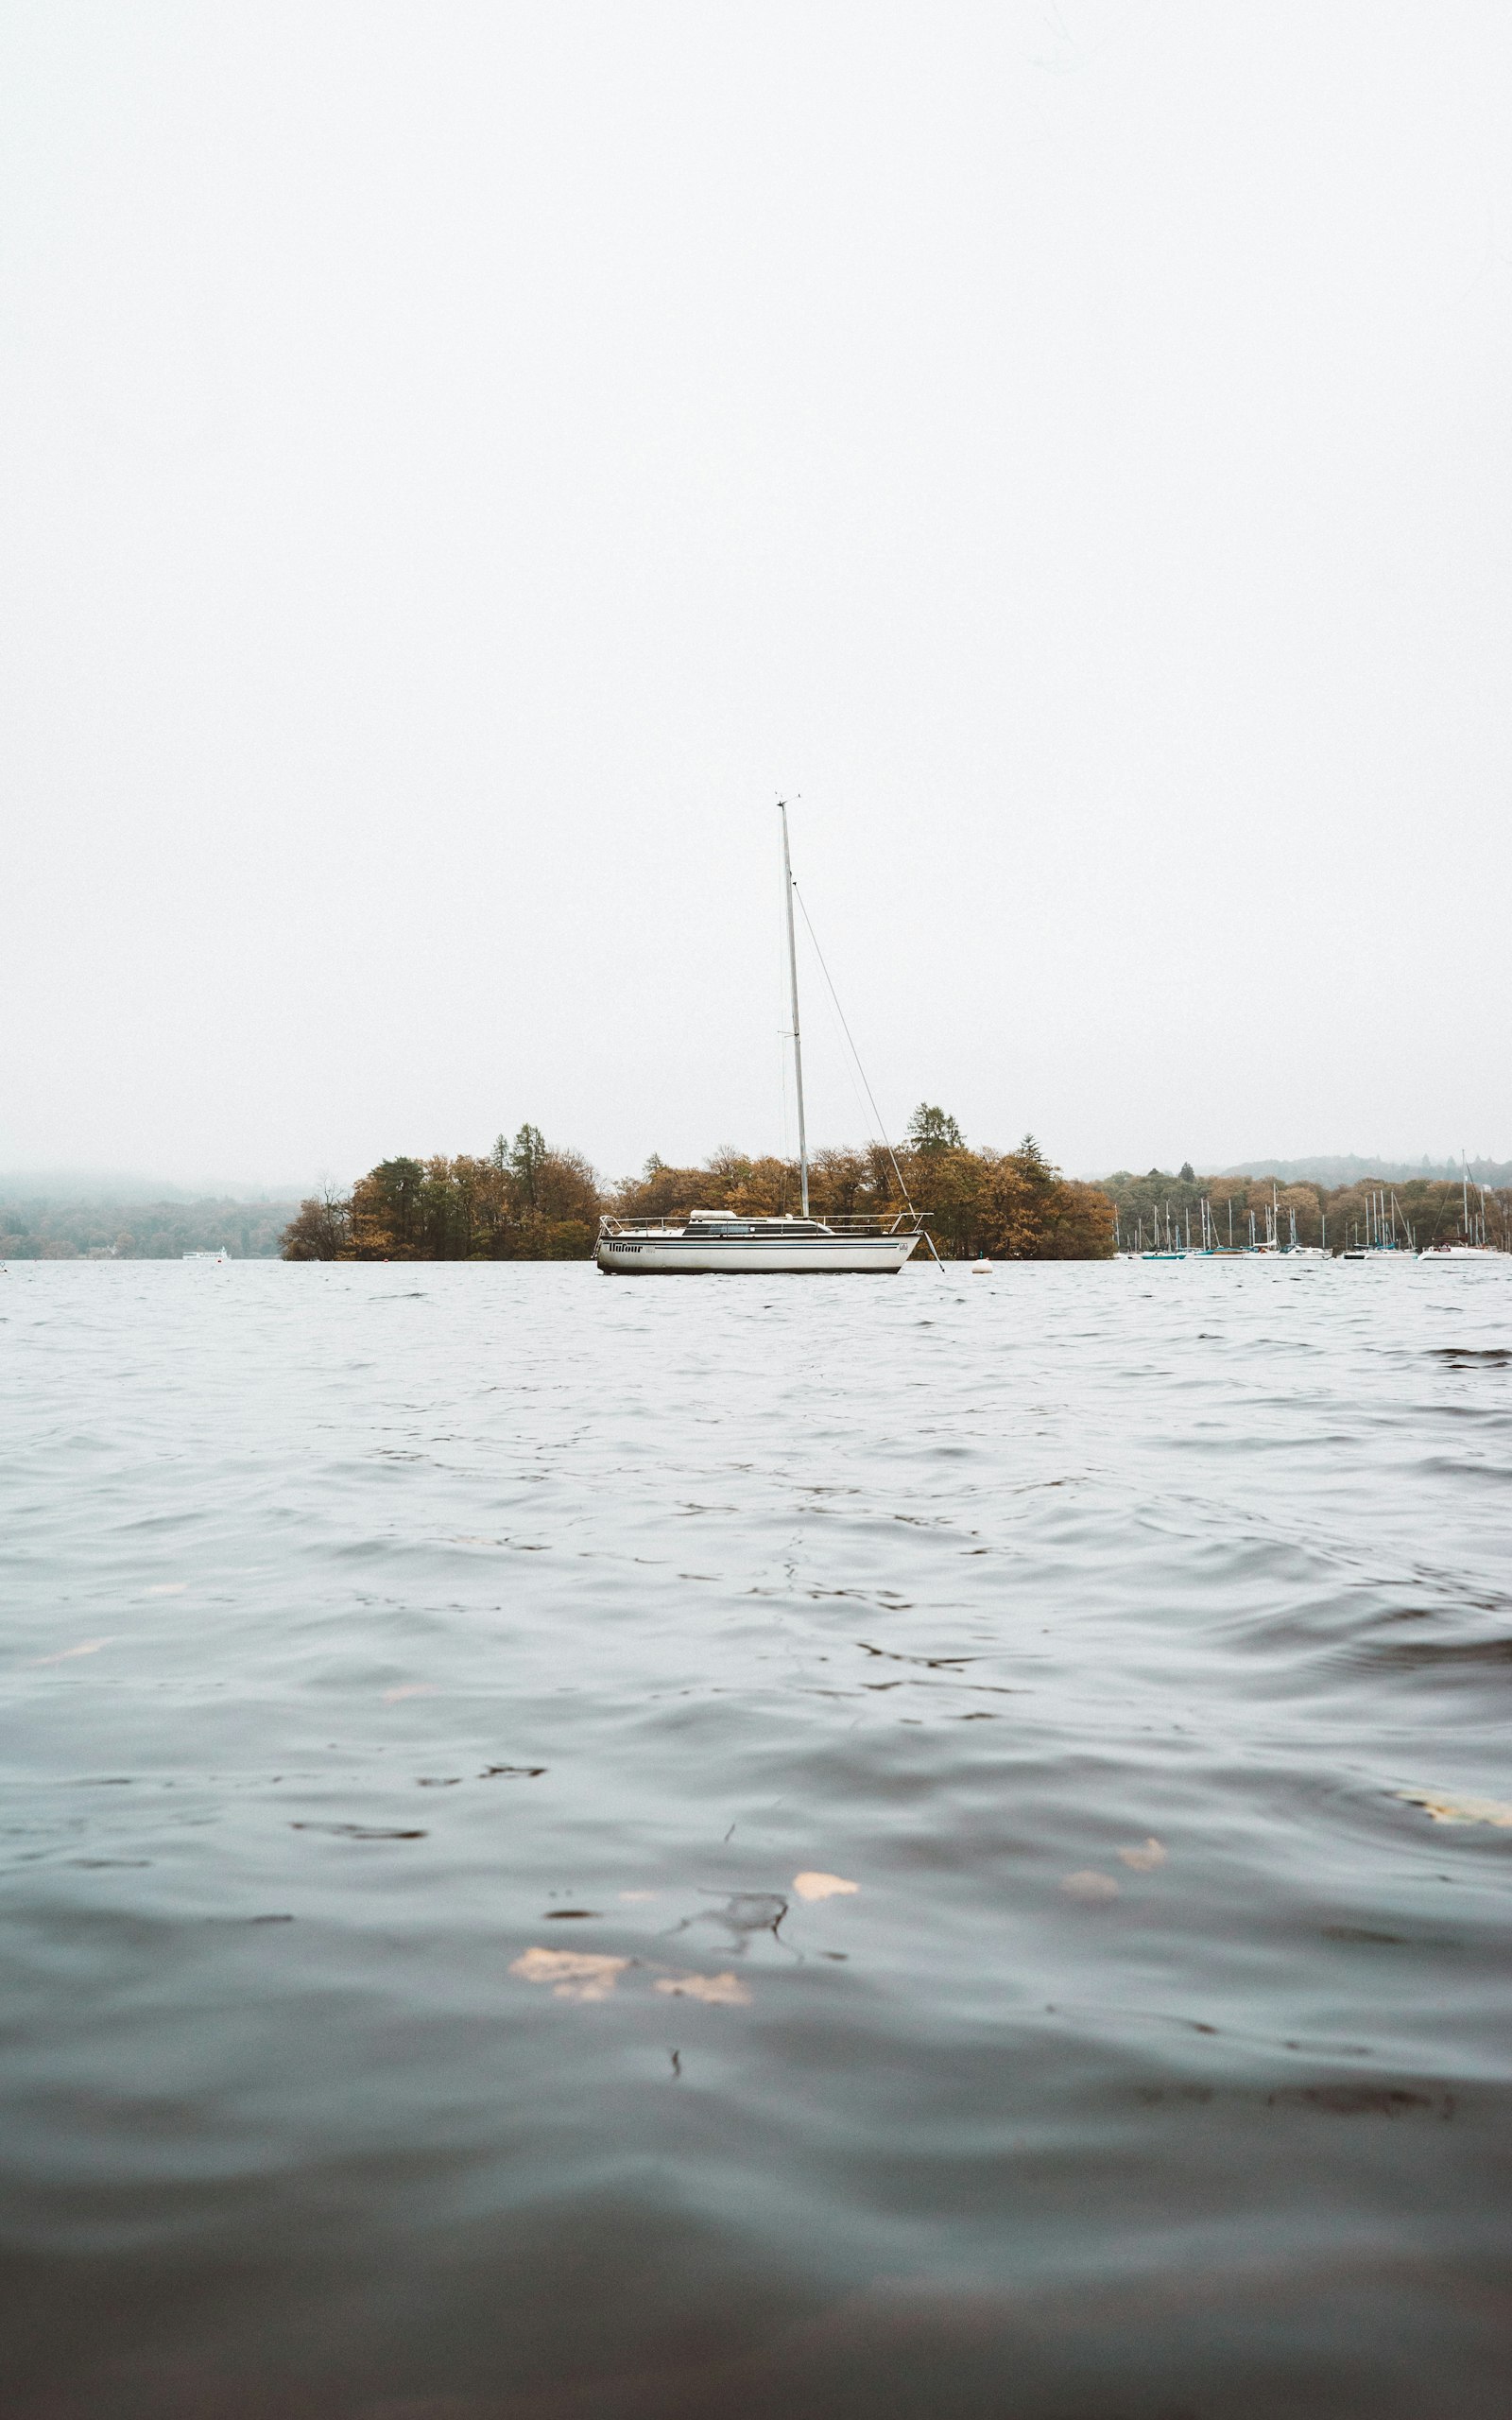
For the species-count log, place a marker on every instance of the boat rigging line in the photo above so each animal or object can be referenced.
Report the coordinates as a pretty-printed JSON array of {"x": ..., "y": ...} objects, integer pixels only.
[{"x": 794, "y": 892}]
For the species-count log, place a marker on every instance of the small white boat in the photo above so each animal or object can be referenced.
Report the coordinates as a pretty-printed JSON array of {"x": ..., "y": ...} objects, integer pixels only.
[
  {"x": 206, "y": 1256},
  {"x": 702, "y": 1243}
]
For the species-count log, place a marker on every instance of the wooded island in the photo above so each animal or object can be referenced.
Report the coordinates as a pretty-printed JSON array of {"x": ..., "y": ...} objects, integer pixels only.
[{"x": 527, "y": 1200}]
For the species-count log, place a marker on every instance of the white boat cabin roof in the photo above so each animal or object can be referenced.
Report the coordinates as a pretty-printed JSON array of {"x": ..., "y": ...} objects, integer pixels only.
[{"x": 743, "y": 1224}]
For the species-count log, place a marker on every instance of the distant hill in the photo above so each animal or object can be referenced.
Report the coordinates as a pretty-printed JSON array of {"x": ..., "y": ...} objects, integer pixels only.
[{"x": 1350, "y": 1169}]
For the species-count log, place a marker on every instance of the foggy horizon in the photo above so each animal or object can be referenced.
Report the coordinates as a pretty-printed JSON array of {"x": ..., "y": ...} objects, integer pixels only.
[{"x": 124, "y": 1185}]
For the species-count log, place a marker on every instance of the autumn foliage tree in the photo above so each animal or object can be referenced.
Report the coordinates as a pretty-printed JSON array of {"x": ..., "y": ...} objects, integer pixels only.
[
  {"x": 523, "y": 1201},
  {"x": 320, "y": 1230}
]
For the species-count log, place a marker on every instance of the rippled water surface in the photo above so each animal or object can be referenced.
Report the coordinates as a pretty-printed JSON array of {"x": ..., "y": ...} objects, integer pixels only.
[{"x": 443, "y": 1702}]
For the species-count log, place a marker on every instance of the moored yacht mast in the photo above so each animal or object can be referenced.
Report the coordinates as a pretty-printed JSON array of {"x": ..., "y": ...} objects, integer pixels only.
[{"x": 798, "y": 1046}]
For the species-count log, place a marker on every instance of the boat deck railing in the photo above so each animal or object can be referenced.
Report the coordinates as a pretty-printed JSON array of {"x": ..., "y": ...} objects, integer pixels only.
[{"x": 902, "y": 1222}]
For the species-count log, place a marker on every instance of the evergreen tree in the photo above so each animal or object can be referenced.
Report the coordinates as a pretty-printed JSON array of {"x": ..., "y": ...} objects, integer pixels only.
[{"x": 931, "y": 1130}]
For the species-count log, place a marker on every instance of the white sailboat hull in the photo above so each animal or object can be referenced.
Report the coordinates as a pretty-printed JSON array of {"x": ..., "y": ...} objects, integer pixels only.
[{"x": 662, "y": 1255}]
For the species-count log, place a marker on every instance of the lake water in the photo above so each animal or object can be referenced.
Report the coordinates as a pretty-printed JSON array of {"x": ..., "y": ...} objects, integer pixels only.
[{"x": 427, "y": 1687}]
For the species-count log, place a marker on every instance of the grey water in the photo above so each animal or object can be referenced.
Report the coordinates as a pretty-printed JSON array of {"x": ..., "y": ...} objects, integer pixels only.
[{"x": 585, "y": 1850}]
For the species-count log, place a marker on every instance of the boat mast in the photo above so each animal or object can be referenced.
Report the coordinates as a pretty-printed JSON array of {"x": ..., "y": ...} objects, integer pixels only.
[{"x": 798, "y": 1046}]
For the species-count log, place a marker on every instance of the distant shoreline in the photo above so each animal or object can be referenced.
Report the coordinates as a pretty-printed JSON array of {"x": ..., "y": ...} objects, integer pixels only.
[{"x": 87, "y": 1220}]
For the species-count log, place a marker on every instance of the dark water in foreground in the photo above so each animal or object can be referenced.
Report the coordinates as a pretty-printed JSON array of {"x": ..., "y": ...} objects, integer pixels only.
[{"x": 379, "y": 1639}]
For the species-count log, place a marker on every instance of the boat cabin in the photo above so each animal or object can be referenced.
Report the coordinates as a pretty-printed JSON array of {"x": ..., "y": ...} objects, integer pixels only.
[{"x": 710, "y": 1225}]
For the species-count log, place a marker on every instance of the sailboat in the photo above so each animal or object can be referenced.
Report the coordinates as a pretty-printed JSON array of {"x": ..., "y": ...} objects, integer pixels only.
[
  {"x": 1383, "y": 1221},
  {"x": 707, "y": 1242},
  {"x": 1172, "y": 1251},
  {"x": 1310, "y": 1254},
  {"x": 1472, "y": 1244}
]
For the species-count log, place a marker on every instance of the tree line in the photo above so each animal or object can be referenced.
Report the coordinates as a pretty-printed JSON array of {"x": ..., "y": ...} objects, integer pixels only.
[{"x": 527, "y": 1200}]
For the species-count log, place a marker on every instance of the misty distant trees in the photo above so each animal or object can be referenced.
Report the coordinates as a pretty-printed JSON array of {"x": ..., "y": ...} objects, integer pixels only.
[{"x": 50, "y": 1228}]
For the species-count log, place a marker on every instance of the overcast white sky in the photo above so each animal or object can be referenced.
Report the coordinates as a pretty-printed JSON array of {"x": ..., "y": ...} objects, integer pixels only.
[{"x": 462, "y": 462}]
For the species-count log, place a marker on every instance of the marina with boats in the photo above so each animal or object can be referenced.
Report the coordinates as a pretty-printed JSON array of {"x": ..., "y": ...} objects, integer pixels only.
[{"x": 1382, "y": 1232}]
